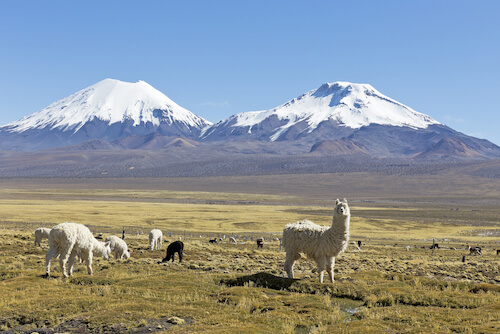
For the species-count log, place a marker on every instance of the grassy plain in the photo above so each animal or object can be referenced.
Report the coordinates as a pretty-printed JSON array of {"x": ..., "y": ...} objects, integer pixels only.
[{"x": 238, "y": 288}]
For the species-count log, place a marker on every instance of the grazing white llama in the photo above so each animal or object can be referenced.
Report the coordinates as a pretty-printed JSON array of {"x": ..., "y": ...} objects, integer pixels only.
[
  {"x": 67, "y": 240},
  {"x": 320, "y": 243},
  {"x": 41, "y": 233},
  {"x": 155, "y": 239},
  {"x": 118, "y": 247}
]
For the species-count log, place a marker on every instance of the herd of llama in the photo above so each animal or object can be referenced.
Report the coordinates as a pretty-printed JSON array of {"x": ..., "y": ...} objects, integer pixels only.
[{"x": 322, "y": 244}]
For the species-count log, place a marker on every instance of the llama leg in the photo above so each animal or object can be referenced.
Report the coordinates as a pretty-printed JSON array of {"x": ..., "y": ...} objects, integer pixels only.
[
  {"x": 87, "y": 257},
  {"x": 89, "y": 264},
  {"x": 50, "y": 254},
  {"x": 290, "y": 262},
  {"x": 180, "y": 256},
  {"x": 63, "y": 260},
  {"x": 329, "y": 268},
  {"x": 321, "y": 268},
  {"x": 71, "y": 262}
]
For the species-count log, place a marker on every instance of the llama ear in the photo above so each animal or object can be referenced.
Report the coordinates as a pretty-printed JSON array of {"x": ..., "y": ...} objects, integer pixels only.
[
  {"x": 345, "y": 200},
  {"x": 337, "y": 201}
]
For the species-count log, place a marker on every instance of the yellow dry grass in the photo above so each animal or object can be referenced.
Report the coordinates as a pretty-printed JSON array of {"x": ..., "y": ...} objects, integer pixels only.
[
  {"x": 237, "y": 287},
  {"x": 138, "y": 211}
]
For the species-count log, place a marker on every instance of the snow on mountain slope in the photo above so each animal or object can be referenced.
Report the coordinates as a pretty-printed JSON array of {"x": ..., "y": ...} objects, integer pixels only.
[
  {"x": 111, "y": 101},
  {"x": 342, "y": 103}
]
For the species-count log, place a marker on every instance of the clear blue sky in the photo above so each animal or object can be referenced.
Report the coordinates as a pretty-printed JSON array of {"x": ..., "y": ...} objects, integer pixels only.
[{"x": 218, "y": 58}]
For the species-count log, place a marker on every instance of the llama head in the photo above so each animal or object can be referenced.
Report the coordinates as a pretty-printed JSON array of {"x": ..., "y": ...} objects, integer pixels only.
[
  {"x": 107, "y": 251},
  {"x": 342, "y": 208}
]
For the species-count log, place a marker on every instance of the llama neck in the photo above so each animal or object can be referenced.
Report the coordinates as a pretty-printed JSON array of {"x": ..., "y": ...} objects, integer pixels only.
[
  {"x": 340, "y": 225},
  {"x": 98, "y": 248}
]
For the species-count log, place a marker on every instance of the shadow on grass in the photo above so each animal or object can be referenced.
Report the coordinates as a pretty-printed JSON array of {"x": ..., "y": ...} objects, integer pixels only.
[
  {"x": 264, "y": 280},
  {"x": 310, "y": 286},
  {"x": 49, "y": 276}
]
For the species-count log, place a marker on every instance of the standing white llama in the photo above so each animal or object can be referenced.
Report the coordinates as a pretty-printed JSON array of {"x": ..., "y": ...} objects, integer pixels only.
[
  {"x": 320, "y": 243},
  {"x": 67, "y": 240},
  {"x": 155, "y": 239}
]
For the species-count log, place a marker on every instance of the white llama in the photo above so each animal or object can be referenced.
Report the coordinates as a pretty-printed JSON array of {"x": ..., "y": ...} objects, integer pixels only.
[
  {"x": 41, "y": 233},
  {"x": 67, "y": 240},
  {"x": 320, "y": 243},
  {"x": 118, "y": 247},
  {"x": 155, "y": 239}
]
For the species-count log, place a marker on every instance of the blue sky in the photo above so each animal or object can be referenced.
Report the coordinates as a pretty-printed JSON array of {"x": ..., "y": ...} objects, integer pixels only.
[{"x": 218, "y": 58}]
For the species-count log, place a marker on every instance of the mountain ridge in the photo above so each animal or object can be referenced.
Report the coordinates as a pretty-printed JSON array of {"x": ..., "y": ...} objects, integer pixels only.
[
  {"x": 341, "y": 103},
  {"x": 339, "y": 118}
]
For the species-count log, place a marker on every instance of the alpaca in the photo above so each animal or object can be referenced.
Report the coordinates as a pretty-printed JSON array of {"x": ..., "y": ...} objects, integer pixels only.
[
  {"x": 260, "y": 242},
  {"x": 320, "y": 243},
  {"x": 41, "y": 233},
  {"x": 118, "y": 247},
  {"x": 474, "y": 250},
  {"x": 155, "y": 239},
  {"x": 232, "y": 240},
  {"x": 67, "y": 240},
  {"x": 174, "y": 247}
]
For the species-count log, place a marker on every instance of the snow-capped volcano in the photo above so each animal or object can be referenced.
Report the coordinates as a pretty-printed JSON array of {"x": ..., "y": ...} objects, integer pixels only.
[
  {"x": 109, "y": 110},
  {"x": 342, "y": 104},
  {"x": 111, "y": 101}
]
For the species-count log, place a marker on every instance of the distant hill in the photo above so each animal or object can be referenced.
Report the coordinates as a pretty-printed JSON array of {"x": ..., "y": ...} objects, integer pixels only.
[
  {"x": 90, "y": 145},
  {"x": 342, "y": 146}
]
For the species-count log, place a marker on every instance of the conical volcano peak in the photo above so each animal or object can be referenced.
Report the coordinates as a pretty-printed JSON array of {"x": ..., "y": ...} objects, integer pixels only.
[
  {"x": 109, "y": 110},
  {"x": 110, "y": 101}
]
